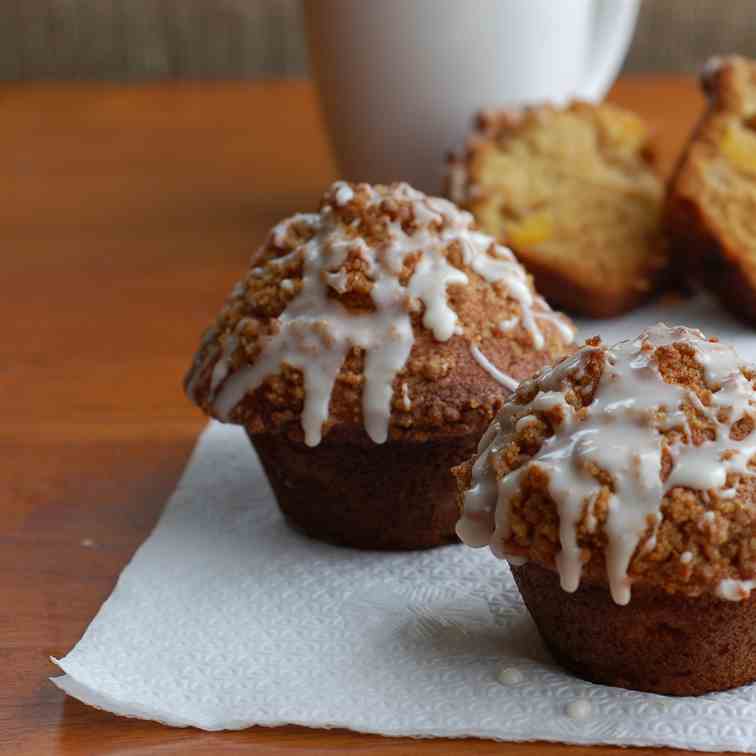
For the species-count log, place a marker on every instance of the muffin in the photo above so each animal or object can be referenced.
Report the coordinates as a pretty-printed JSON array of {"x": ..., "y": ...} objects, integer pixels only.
[
  {"x": 711, "y": 199},
  {"x": 574, "y": 192},
  {"x": 621, "y": 486},
  {"x": 364, "y": 352}
]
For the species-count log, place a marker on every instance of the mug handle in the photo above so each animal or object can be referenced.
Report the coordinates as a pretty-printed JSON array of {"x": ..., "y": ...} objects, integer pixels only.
[{"x": 613, "y": 32}]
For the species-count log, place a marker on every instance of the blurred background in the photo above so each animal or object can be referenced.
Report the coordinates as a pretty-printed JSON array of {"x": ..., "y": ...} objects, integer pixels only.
[{"x": 132, "y": 40}]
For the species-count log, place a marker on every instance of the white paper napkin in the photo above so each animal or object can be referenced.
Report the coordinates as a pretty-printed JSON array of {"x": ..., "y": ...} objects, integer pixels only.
[{"x": 227, "y": 618}]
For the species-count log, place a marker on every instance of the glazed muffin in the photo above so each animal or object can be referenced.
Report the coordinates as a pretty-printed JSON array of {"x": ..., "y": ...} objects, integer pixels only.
[
  {"x": 574, "y": 192},
  {"x": 711, "y": 199},
  {"x": 364, "y": 352},
  {"x": 621, "y": 486}
]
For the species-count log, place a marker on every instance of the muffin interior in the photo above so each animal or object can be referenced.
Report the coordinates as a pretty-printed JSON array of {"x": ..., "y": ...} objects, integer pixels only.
[{"x": 573, "y": 191}]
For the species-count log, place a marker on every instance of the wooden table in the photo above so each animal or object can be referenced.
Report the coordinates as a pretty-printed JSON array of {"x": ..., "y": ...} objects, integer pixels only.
[{"x": 126, "y": 215}]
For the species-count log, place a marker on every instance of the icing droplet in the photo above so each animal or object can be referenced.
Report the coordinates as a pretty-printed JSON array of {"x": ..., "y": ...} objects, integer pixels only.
[
  {"x": 510, "y": 676},
  {"x": 565, "y": 328},
  {"x": 428, "y": 283},
  {"x": 580, "y": 709},
  {"x": 523, "y": 422}
]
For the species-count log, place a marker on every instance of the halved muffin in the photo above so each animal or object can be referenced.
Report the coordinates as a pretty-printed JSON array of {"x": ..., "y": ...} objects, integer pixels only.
[
  {"x": 710, "y": 213},
  {"x": 574, "y": 192},
  {"x": 365, "y": 351},
  {"x": 621, "y": 485}
]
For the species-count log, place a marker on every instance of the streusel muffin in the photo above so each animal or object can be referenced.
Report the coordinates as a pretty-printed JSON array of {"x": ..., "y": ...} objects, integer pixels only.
[
  {"x": 621, "y": 486},
  {"x": 364, "y": 353}
]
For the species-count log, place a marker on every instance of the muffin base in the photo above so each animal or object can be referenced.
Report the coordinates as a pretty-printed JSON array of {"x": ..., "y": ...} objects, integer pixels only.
[
  {"x": 397, "y": 495},
  {"x": 659, "y": 643}
]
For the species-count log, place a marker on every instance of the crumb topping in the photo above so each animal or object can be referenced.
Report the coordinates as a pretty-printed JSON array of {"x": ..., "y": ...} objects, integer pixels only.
[
  {"x": 635, "y": 462},
  {"x": 347, "y": 295},
  {"x": 574, "y": 192}
]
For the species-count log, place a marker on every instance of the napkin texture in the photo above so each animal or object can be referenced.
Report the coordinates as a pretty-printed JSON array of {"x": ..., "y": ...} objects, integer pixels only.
[{"x": 227, "y": 618}]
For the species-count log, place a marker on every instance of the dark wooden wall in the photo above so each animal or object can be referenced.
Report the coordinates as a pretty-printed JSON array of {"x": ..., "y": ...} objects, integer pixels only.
[{"x": 146, "y": 39}]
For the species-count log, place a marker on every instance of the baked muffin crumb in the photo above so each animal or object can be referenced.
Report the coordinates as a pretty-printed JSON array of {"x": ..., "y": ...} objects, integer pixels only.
[
  {"x": 711, "y": 199},
  {"x": 574, "y": 192}
]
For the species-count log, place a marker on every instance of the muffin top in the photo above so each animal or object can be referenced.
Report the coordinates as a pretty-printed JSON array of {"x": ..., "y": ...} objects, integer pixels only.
[
  {"x": 383, "y": 315},
  {"x": 635, "y": 462}
]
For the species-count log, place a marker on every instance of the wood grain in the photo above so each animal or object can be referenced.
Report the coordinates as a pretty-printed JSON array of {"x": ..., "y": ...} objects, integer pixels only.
[{"x": 127, "y": 215}]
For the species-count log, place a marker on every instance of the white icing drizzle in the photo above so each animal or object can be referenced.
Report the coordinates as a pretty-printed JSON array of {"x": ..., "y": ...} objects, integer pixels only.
[
  {"x": 509, "y": 324},
  {"x": 343, "y": 193},
  {"x": 505, "y": 380},
  {"x": 565, "y": 328},
  {"x": 620, "y": 433},
  {"x": 406, "y": 400},
  {"x": 339, "y": 281},
  {"x": 315, "y": 332},
  {"x": 735, "y": 590},
  {"x": 221, "y": 368},
  {"x": 501, "y": 265}
]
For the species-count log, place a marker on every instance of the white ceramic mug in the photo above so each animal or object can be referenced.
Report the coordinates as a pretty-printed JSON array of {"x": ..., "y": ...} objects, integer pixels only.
[{"x": 400, "y": 80}]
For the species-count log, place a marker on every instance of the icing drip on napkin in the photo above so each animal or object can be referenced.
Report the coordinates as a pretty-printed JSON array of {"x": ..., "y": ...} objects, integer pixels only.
[{"x": 620, "y": 432}]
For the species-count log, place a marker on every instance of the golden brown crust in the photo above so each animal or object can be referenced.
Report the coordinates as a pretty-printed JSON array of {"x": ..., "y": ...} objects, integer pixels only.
[
  {"x": 711, "y": 197},
  {"x": 575, "y": 193},
  {"x": 441, "y": 391}
]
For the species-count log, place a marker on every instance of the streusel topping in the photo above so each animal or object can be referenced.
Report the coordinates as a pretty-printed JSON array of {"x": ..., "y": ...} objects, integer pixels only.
[
  {"x": 348, "y": 291},
  {"x": 630, "y": 462}
]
